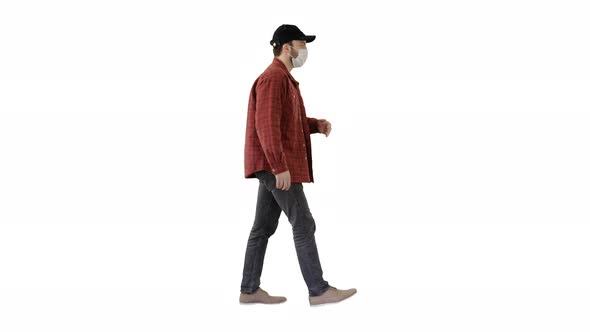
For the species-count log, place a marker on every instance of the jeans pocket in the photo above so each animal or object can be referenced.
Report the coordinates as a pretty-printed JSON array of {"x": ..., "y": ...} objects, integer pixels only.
[
  {"x": 267, "y": 179},
  {"x": 262, "y": 174}
]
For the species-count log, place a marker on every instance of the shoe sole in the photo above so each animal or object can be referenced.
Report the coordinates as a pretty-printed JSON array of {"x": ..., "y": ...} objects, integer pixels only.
[
  {"x": 253, "y": 303},
  {"x": 333, "y": 302},
  {"x": 250, "y": 303}
]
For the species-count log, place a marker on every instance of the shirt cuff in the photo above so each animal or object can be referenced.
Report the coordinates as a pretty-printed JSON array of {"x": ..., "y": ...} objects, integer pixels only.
[{"x": 313, "y": 125}]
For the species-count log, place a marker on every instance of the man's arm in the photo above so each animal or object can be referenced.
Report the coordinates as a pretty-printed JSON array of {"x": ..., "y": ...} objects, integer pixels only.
[{"x": 269, "y": 100}]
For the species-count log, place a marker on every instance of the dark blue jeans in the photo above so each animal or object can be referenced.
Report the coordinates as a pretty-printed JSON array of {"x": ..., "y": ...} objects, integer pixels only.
[{"x": 271, "y": 201}]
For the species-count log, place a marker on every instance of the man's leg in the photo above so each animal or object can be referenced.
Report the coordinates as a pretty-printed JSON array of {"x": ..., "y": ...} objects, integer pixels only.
[
  {"x": 265, "y": 224},
  {"x": 294, "y": 204}
]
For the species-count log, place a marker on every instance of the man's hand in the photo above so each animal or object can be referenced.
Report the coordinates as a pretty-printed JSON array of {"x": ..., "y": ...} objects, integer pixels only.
[
  {"x": 283, "y": 180},
  {"x": 324, "y": 126}
]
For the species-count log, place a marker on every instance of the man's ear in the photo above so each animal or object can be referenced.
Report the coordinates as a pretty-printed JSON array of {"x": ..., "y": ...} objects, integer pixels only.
[{"x": 285, "y": 48}]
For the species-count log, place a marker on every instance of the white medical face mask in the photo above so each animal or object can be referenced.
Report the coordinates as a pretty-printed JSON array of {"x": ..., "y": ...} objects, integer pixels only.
[{"x": 300, "y": 59}]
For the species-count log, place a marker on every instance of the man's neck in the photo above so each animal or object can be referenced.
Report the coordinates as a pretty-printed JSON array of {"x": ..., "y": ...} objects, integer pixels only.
[{"x": 286, "y": 59}]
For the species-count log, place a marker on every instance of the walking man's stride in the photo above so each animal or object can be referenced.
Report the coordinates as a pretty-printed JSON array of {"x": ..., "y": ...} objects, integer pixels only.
[{"x": 278, "y": 153}]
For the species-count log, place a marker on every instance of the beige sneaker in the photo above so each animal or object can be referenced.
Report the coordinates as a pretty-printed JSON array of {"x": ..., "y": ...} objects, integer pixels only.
[
  {"x": 332, "y": 295},
  {"x": 260, "y": 296}
]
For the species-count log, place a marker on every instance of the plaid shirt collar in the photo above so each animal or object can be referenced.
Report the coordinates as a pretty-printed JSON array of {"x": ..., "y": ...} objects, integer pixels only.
[{"x": 278, "y": 63}]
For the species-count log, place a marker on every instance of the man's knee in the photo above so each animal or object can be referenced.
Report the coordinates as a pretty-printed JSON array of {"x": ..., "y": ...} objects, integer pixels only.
[
  {"x": 265, "y": 231},
  {"x": 304, "y": 226},
  {"x": 271, "y": 231}
]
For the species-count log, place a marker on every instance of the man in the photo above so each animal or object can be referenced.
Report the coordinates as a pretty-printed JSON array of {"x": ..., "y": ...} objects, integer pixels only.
[{"x": 278, "y": 154}]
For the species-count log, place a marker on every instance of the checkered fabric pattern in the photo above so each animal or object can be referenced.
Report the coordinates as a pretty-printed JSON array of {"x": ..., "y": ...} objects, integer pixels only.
[{"x": 278, "y": 130}]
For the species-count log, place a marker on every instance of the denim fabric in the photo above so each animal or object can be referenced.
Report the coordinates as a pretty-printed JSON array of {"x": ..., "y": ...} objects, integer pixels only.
[{"x": 271, "y": 201}]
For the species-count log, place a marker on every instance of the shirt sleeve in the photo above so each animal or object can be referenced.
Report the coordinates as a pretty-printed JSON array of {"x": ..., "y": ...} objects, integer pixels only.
[
  {"x": 270, "y": 93},
  {"x": 313, "y": 125}
]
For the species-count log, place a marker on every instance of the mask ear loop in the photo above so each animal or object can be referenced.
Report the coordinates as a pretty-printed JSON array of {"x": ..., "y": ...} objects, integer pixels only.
[{"x": 292, "y": 48}]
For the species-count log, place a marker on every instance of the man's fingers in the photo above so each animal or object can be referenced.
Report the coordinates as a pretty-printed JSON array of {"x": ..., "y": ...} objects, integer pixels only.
[
  {"x": 281, "y": 183},
  {"x": 327, "y": 128},
  {"x": 285, "y": 184}
]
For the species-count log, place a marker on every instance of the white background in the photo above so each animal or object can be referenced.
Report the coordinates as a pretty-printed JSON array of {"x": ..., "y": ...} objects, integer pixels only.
[{"x": 453, "y": 191}]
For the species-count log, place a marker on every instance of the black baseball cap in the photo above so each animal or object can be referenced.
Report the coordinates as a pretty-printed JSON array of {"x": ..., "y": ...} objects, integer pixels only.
[{"x": 286, "y": 33}]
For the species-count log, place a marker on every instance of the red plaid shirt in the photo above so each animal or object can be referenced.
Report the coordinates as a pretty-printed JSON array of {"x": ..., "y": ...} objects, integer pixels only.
[{"x": 278, "y": 130}]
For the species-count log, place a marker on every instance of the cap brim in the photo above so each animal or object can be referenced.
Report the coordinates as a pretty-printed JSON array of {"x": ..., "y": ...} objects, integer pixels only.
[{"x": 309, "y": 39}]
